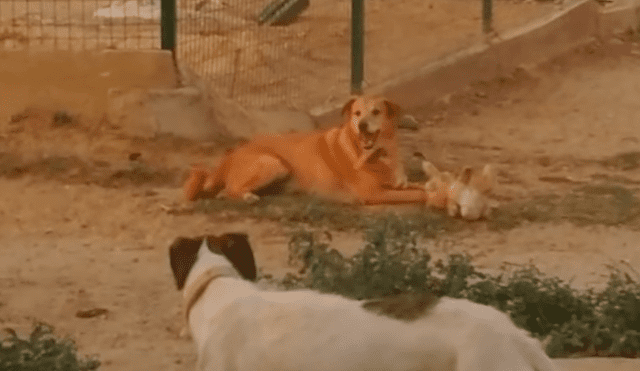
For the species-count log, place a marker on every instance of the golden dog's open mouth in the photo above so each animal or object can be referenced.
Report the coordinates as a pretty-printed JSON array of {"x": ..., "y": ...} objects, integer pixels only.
[{"x": 368, "y": 140}]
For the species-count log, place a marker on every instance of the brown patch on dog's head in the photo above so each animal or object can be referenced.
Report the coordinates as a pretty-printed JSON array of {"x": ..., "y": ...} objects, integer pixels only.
[
  {"x": 236, "y": 247},
  {"x": 406, "y": 307},
  {"x": 368, "y": 117},
  {"x": 183, "y": 254}
]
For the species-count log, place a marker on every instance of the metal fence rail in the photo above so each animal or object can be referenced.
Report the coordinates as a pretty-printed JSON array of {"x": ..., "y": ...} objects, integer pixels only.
[{"x": 79, "y": 24}]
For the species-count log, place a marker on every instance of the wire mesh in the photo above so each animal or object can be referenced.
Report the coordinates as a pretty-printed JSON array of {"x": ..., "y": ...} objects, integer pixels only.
[
  {"x": 265, "y": 66},
  {"x": 79, "y": 24},
  {"x": 302, "y": 64},
  {"x": 307, "y": 62}
]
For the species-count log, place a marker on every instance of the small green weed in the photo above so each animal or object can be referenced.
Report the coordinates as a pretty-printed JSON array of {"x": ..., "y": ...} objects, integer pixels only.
[
  {"x": 41, "y": 351},
  {"x": 604, "y": 323}
]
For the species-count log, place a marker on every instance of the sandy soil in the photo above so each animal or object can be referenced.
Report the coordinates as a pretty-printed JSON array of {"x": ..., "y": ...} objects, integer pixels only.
[{"x": 69, "y": 244}]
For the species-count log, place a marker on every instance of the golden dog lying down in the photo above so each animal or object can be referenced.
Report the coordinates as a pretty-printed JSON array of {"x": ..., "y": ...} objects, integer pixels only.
[
  {"x": 334, "y": 163},
  {"x": 237, "y": 326},
  {"x": 465, "y": 195}
]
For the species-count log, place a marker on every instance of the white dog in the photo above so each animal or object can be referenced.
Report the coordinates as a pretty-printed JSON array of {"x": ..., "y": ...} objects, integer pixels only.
[{"x": 237, "y": 326}]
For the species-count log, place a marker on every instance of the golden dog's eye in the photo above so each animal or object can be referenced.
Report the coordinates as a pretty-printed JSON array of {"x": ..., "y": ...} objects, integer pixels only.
[
  {"x": 376, "y": 112},
  {"x": 358, "y": 113}
]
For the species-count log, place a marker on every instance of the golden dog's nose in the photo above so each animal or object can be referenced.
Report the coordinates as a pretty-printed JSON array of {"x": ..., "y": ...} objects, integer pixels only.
[{"x": 363, "y": 127}]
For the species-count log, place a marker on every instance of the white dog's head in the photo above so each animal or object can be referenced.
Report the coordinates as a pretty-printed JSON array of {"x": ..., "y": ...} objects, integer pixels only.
[{"x": 229, "y": 254}]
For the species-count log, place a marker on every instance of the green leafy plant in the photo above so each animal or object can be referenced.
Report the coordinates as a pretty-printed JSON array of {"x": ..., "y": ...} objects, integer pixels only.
[
  {"x": 598, "y": 323},
  {"x": 41, "y": 351}
]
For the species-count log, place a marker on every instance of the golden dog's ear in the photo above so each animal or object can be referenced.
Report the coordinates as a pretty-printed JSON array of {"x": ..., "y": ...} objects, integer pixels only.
[
  {"x": 347, "y": 106},
  {"x": 392, "y": 108}
]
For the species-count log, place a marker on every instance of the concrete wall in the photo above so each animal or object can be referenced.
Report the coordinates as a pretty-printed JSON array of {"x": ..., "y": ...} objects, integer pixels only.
[
  {"x": 621, "y": 18},
  {"x": 138, "y": 91},
  {"x": 78, "y": 82}
]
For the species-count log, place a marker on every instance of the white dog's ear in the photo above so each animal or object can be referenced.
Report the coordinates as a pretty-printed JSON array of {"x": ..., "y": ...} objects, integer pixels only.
[
  {"x": 236, "y": 248},
  {"x": 183, "y": 254}
]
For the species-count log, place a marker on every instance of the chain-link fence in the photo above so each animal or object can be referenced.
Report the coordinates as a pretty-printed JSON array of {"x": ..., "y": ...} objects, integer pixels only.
[
  {"x": 307, "y": 62},
  {"x": 256, "y": 53},
  {"x": 263, "y": 65},
  {"x": 79, "y": 24}
]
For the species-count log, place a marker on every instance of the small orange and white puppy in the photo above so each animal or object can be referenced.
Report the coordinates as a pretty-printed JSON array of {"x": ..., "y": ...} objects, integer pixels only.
[
  {"x": 238, "y": 326},
  {"x": 465, "y": 195},
  {"x": 336, "y": 163}
]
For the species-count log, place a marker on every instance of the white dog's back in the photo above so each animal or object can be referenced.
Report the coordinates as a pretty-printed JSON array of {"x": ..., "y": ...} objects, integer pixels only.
[
  {"x": 486, "y": 338},
  {"x": 305, "y": 330}
]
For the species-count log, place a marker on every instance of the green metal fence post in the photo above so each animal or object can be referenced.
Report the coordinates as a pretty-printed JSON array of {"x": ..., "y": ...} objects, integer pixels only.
[
  {"x": 168, "y": 24},
  {"x": 357, "y": 46},
  {"x": 487, "y": 15}
]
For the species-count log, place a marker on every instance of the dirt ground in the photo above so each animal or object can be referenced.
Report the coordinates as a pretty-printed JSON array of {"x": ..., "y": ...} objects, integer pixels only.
[{"x": 84, "y": 221}]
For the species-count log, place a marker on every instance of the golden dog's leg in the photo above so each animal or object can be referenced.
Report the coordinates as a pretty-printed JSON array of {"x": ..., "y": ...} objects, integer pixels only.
[
  {"x": 396, "y": 196},
  {"x": 369, "y": 155},
  {"x": 195, "y": 182},
  {"x": 399, "y": 173},
  {"x": 253, "y": 172}
]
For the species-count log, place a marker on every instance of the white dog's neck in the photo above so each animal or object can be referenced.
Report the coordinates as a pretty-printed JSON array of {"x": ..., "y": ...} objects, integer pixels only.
[
  {"x": 207, "y": 261},
  {"x": 208, "y": 267}
]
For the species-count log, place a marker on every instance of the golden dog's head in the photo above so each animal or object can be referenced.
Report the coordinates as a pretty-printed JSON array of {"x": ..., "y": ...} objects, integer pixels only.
[{"x": 368, "y": 117}]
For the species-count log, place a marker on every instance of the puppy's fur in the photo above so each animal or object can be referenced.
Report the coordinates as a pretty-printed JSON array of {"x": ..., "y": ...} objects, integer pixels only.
[
  {"x": 465, "y": 195},
  {"x": 237, "y": 326}
]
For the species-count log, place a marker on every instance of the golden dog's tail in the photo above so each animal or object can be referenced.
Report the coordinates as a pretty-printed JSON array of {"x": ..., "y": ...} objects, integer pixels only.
[{"x": 206, "y": 183}]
